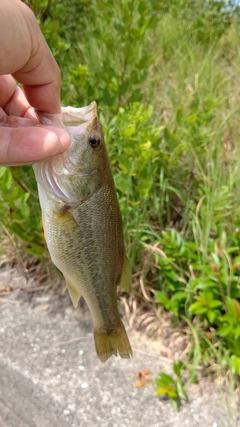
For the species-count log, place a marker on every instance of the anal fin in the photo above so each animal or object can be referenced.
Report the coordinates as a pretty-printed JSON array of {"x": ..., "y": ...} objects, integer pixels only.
[{"x": 73, "y": 292}]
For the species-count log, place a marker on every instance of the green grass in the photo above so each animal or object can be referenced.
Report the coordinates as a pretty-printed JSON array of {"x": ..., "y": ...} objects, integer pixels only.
[{"x": 166, "y": 79}]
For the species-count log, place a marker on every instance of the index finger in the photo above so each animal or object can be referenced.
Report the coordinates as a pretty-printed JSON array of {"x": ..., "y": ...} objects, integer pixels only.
[
  {"x": 25, "y": 54},
  {"x": 13, "y": 101}
]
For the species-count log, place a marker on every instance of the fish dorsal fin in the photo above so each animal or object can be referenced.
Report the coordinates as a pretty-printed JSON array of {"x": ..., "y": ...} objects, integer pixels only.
[
  {"x": 125, "y": 280},
  {"x": 73, "y": 292}
]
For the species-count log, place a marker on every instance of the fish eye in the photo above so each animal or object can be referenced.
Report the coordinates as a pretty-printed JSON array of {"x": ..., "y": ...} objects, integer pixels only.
[{"x": 94, "y": 141}]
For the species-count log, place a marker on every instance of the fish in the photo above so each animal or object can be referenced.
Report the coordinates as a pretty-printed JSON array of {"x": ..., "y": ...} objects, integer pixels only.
[{"x": 83, "y": 225}]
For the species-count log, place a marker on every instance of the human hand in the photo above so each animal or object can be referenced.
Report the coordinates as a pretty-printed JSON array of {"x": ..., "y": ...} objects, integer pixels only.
[{"x": 25, "y": 54}]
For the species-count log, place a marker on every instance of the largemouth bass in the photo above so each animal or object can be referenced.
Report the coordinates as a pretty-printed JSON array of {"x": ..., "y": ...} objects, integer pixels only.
[{"x": 83, "y": 226}]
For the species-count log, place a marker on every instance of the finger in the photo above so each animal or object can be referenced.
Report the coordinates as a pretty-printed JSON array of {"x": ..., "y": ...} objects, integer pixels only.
[
  {"x": 13, "y": 100},
  {"x": 33, "y": 65},
  {"x": 28, "y": 145},
  {"x": 8, "y": 86},
  {"x": 45, "y": 97}
]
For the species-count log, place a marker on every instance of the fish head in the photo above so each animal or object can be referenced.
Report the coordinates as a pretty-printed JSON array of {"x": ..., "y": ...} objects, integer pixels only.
[
  {"x": 87, "y": 152},
  {"x": 76, "y": 174}
]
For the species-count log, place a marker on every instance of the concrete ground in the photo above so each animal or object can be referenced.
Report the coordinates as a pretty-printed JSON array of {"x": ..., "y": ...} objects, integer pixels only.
[{"x": 50, "y": 375}]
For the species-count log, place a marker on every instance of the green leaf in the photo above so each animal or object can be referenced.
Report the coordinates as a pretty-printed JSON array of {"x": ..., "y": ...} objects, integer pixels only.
[
  {"x": 215, "y": 304},
  {"x": 192, "y": 118},
  {"x": 197, "y": 308},
  {"x": 235, "y": 365},
  {"x": 162, "y": 298},
  {"x": 6, "y": 178},
  {"x": 122, "y": 184},
  {"x": 144, "y": 187},
  {"x": 211, "y": 315},
  {"x": 164, "y": 379},
  {"x": 175, "y": 404},
  {"x": 173, "y": 393},
  {"x": 177, "y": 367},
  {"x": 142, "y": 7},
  {"x": 179, "y": 116},
  {"x": 181, "y": 392},
  {"x": 237, "y": 332},
  {"x": 162, "y": 390},
  {"x": 179, "y": 296},
  {"x": 2, "y": 171},
  {"x": 224, "y": 330}
]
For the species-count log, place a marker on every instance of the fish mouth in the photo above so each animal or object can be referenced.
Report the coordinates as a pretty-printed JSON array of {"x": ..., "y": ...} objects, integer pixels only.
[
  {"x": 77, "y": 116},
  {"x": 70, "y": 116}
]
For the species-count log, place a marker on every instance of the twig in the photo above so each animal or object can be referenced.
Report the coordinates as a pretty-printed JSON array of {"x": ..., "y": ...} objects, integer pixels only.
[
  {"x": 71, "y": 341},
  {"x": 9, "y": 300}
]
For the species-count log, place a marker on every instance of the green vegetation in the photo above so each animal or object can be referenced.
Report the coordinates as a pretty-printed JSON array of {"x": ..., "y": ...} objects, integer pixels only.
[
  {"x": 170, "y": 387},
  {"x": 165, "y": 75}
]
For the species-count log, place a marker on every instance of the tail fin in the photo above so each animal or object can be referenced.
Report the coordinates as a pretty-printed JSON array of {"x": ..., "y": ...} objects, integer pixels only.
[{"x": 113, "y": 343}]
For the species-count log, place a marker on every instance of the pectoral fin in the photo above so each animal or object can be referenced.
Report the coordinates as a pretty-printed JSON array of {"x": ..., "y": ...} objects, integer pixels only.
[
  {"x": 73, "y": 292},
  {"x": 125, "y": 280}
]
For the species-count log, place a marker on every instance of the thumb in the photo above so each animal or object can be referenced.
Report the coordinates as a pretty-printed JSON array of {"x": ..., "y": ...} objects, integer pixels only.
[{"x": 27, "y": 145}]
